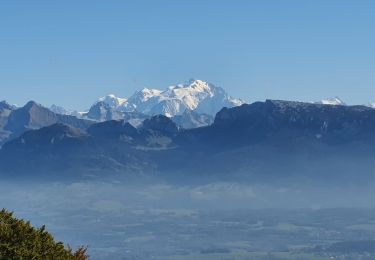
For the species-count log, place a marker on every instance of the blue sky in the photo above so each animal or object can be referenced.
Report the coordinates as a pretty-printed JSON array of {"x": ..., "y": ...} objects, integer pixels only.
[{"x": 71, "y": 52}]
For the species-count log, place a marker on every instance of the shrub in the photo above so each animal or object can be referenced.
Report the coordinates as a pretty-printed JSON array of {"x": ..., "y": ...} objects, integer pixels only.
[{"x": 19, "y": 240}]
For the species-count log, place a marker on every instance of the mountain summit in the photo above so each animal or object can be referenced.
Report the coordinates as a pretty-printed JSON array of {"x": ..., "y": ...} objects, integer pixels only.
[{"x": 195, "y": 95}]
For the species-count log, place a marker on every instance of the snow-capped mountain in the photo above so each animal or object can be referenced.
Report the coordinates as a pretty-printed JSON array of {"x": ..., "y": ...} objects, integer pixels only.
[
  {"x": 112, "y": 101},
  {"x": 335, "y": 101},
  {"x": 192, "y": 104},
  {"x": 143, "y": 100},
  {"x": 195, "y": 95}
]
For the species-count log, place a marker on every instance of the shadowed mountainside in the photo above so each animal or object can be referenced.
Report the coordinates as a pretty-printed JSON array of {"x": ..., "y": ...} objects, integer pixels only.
[
  {"x": 271, "y": 139},
  {"x": 34, "y": 116}
]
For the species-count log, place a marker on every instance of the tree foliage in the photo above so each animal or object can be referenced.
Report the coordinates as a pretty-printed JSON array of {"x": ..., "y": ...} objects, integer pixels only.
[{"x": 19, "y": 240}]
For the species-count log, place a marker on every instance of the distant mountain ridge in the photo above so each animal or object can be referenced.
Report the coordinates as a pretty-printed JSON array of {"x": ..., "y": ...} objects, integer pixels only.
[
  {"x": 190, "y": 105},
  {"x": 32, "y": 116},
  {"x": 186, "y": 104},
  {"x": 259, "y": 138}
]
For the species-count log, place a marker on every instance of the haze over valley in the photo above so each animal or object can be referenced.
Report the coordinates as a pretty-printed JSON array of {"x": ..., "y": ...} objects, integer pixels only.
[{"x": 176, "y": 178}]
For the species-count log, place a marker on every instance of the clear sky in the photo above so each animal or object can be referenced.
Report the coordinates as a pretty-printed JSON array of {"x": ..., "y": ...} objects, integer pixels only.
[{"x": 73, "y": 51}]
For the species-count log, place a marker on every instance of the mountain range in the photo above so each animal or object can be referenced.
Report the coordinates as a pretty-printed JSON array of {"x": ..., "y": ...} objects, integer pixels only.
[
  {"x": 15, "y": 121},
  {"x": 176, "y": 132},
  {"x": 190, "y": 105},
  {"x": 195, "y": 95},
  {"x": 271, "y": 139}
]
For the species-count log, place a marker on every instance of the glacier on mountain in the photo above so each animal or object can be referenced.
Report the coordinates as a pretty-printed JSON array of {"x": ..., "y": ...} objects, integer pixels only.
[{"x": 195, "y": 95}]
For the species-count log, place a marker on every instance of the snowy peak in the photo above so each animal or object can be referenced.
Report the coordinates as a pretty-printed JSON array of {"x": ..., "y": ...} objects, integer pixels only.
[
  {"x": 143, "y": 100},
  {"x": 192, "y": 87},
  {"x": 192, "y": 93},
  {"x": 335, "y": 101},
  {"x": 195, "y": 95},
  {"x": 200, "y": 96},
  {"x": 147, "y": 93},
  {"x": 112, "y": 101}
]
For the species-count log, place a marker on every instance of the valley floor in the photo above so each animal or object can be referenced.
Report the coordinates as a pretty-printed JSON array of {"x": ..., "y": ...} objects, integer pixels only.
[{"x": 119, "y": 222}]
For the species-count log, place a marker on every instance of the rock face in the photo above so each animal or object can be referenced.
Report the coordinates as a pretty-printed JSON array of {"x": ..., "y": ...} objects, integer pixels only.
[{"x": 273, "y": 139}]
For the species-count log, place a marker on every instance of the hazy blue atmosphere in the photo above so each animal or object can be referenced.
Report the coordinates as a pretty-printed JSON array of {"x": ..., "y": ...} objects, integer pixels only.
[{"x": 71, "y": 52}]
